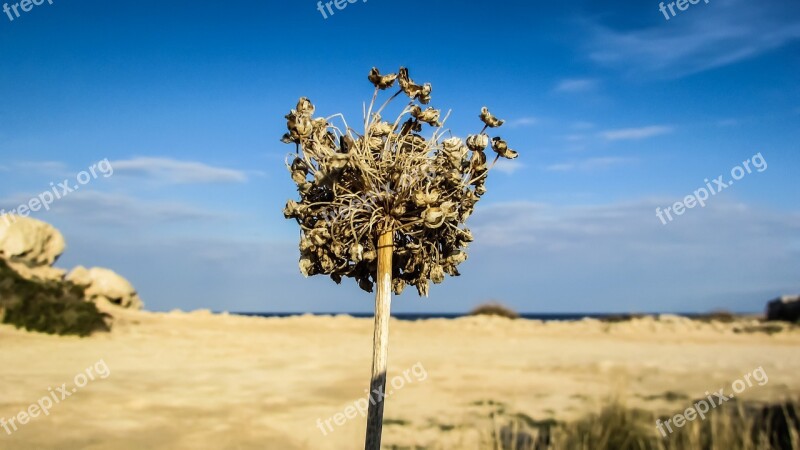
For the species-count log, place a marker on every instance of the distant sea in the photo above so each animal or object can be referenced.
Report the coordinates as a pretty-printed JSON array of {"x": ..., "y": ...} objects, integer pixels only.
[{"x": 415, "y": 316}]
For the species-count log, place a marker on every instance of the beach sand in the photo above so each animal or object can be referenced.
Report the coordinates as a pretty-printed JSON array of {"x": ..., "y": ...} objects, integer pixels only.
[{"x": 203, "y": 381}]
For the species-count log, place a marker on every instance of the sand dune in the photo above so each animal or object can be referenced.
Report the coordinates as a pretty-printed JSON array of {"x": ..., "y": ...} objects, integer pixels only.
[{"x": 203, "y": 381}]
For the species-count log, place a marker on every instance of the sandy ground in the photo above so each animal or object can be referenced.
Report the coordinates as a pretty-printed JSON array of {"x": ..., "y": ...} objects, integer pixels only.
[{"x": 202, "y": 381}]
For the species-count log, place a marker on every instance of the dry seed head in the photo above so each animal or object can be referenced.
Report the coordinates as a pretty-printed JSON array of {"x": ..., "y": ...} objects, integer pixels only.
[{"x": 354, "y": 185}]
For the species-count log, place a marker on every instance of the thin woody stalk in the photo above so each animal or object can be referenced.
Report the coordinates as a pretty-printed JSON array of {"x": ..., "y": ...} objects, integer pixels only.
[
  {"x": 380, "y": 343},
  {"x": 416, "y": 194}
]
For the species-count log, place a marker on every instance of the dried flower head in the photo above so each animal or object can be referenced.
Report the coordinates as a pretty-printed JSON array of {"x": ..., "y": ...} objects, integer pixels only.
[
  {"x": 381, "y": 81},
  {"x": 355, "y": 186},
  {"x": 490, "y": 120},
  {"x": 413, "y": 90},
  {"x": 501, "y": 148}
]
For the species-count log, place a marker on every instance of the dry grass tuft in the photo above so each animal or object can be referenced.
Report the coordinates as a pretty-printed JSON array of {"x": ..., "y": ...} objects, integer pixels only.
[{"x": 738, "y": 427}]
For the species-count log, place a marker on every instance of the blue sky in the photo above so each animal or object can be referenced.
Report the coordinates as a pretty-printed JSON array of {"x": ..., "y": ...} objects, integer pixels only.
[{"x": 615, "y": 111}]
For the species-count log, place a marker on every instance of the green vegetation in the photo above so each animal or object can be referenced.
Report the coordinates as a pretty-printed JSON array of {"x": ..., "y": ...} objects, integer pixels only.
[{"x": 47, "y": 307}]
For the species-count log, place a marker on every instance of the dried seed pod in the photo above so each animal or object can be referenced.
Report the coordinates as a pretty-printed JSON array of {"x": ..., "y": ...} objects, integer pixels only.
[
  {"x": 422, "y": 198},
  {"x": 398, "y": 284},
  {"x": 287, "y": 138},
  {"x": 490, "y": 120},
  {"x": 456, "y": 258},
  {"x": 413, "y": 90},
  {"x": 429, "y": 115},
  {"x": 293, "y": 210},
  {"x": 365, "y": 284},
  {"x": 370, "y": 255},
  {"x": 410, "y": 126},
  {"x": 299, "y": 176},
  {"x": 356, "y": 252},
  {"x": 477, "y": 142},
  {"x": 346, "y": 144},
  {"x": 381, "y": 129},
  {"x": 399, "y": 210},
  {"x": 306, "y": 245},
  {"x": 478, "y": 161},
  {"x": 374, "y": 143},
  {"x": 319, "y": 236},
  {"x": 437, "y": 273},
  {"x": 501, "y": 148},
  {"x": 381, "y": 81},
  {"x": 338, "y": 161},
  {"x": 422, "y": 287},
  {"x": 433, "y": 217},
  {"x": 306, "y": 267},
  {"x": 453, "y": 177},
  {"x": 452, "y": 144},
  {"x": 304, "y": 107},
  {"x": 303, "y": 126},
  {"x": 425, "y": 95}
]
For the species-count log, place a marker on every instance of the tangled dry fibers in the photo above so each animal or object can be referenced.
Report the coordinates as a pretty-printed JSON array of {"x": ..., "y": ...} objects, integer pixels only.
[{"x": 354, "y": 186}]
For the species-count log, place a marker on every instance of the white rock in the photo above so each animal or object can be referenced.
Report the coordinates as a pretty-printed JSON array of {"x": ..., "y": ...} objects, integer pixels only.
[
  {"x": 31, "y": 247},
  {"x": 104, "y": 284}
]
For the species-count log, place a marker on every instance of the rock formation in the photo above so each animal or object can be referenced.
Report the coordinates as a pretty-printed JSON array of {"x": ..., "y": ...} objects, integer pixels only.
[
  {"x": 30, "y": 247},
  {"x": 105, "y": 285},
  {"x": 786, "y": 308}
]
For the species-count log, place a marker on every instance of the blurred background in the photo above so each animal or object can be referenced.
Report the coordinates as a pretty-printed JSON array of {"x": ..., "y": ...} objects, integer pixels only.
[{"x": 615, "y": 112}]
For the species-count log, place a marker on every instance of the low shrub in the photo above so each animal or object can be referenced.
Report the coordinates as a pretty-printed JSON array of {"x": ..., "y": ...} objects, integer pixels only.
[
  {"x": 48, "y": 306},
  {"x": 494, "y": 309}
]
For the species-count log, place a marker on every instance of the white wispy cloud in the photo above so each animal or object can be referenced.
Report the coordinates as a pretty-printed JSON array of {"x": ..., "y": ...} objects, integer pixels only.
[
  {"x": 103, "y": 209},
  {"x": 583, "y": 125},
  {"x": 635, "y": 133},
  {"x": 508, "y": 166},
  {"x": 589, "y": 164},
  {"x": 572, "y": 85},
  {"x": 574, "y": 137},
  {"x": 523, "y": 122},
  {"x": 177, "y": 172},
  {"x": 42, "y": 166},
  {"x": 722, "y": 33}
]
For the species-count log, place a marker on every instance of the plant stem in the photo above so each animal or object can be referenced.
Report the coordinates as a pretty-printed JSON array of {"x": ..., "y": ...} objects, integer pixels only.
[
  {"x": 380, "y": 343},
  {"x": 368, "y": 117},
  {"x": 386, "y": 103}
]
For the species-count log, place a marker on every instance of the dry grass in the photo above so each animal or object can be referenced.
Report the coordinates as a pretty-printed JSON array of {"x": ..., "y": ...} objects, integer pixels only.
[{"x": 738, "y": 427}]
